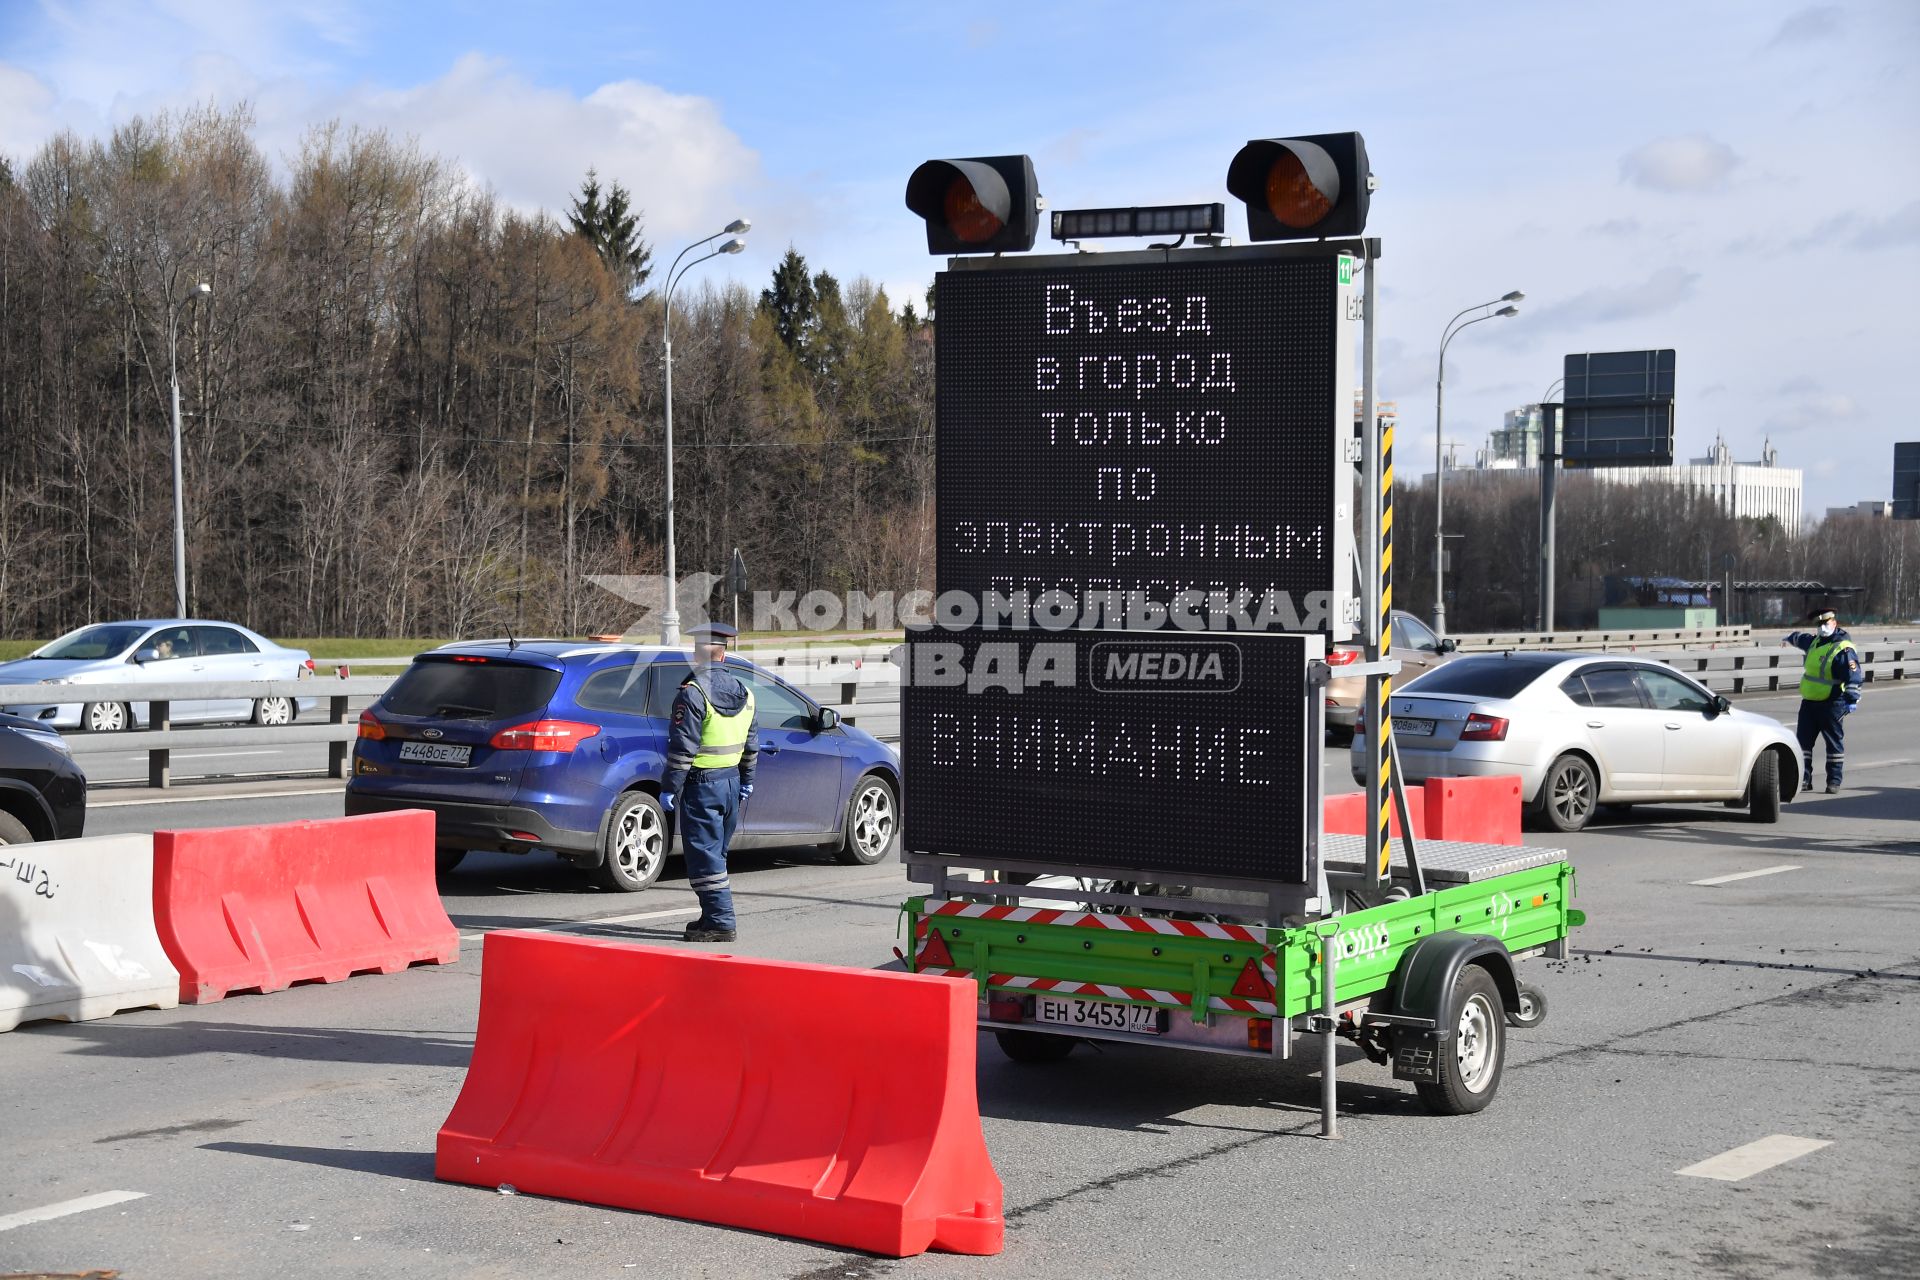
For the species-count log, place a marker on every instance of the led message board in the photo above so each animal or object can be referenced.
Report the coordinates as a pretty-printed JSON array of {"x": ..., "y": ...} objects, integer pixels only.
[
  {"x": 1158, "y": 427},
  {"x": 1184, "y": 756}
]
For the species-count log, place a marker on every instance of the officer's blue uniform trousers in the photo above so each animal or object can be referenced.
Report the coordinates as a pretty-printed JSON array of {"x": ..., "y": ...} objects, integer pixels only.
[
  {"x": 1821, "y": 721},
  {"x": 709, "y": 811}
]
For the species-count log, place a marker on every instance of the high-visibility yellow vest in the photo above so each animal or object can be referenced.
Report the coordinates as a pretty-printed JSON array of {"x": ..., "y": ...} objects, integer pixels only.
[
  {"x": 723, "y": 737},
  {"x": 1817, "y": 682}
]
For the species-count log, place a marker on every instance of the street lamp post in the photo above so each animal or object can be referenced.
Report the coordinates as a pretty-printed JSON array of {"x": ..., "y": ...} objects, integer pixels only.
[
  {"x": 670, "y": 620},
  {"x": 199, "y": 291},
  {"x": 1439, "y": 438}
]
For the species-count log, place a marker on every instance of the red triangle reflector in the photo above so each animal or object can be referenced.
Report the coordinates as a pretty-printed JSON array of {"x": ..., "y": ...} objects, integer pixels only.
[
  {"x": 935, "y": 953},
  {"x": 1252, "y": 984}
]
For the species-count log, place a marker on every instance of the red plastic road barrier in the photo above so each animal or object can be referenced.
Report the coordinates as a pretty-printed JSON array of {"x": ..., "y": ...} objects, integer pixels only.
[
  {"x": 261, "y": 908},
  {"x": 1481, "y": 810},
  {"x": 831, "y": 1104},
  {"x": 1346, "y": 815}
]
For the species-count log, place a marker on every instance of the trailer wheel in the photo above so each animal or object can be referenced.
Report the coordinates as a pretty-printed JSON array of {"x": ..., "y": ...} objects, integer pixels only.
[
  {"x": 1032, "y": 1047},
  {"x": 1533, "y": 1008},
  {"x": 1469, "y": 1072}
]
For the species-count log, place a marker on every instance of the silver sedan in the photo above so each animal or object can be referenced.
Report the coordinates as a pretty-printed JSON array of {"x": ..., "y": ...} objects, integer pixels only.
[
  {"x": 155, "y": 651},
  {"x": 1583, "y": 730}
]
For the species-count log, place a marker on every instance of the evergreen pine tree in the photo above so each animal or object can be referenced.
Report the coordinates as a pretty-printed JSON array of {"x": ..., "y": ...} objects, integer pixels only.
[
  {"x": 792, "y": 303},
  {"x": 611, "y": 225}
]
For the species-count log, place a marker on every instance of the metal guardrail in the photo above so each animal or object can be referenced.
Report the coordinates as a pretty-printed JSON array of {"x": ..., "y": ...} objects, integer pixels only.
[
  {"x": 1603, "y": 641},
  {"x": 1756, "y": 670},
  {"x": 866, "y": 695},
  {"x": 158, "y": 738}
]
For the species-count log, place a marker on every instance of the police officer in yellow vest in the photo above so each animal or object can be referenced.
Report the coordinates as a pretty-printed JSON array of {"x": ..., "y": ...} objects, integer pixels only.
[
  {"x": 711, "y": 756},
  {"x": 1829, "y": 691}
]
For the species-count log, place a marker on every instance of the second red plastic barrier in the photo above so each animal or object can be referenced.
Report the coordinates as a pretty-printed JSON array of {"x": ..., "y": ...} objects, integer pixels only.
[{"x": 261, "y": 908}]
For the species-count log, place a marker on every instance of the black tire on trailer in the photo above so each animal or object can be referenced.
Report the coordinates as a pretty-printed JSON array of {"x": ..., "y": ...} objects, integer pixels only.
[
  {"x": 1763, "y": 792},
  {"x": 1469, "y": 1070},
  {"x": 1569, "y": 794},
  {"x": 1533, "y": 1008},
  {"x": 1033, "y": 1048},
  {"x": 445, "y": 860}
]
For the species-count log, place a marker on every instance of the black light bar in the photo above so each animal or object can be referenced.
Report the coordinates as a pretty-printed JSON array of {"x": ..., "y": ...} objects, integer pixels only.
[{"x": 1153, "y": 220}]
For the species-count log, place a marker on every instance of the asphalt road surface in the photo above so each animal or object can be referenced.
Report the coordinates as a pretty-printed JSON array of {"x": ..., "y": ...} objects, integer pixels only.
[{"x": 1743, "y": 1004}]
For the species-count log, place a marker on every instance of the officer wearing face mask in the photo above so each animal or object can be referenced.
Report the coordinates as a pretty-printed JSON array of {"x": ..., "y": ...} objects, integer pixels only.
[{"x": 1829, "y": 691}]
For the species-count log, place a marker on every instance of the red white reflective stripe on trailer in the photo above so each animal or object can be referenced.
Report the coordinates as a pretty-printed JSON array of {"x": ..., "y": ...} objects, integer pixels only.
[
  {"x": 1144, "y": 995},
  {"x": 1101, "y": 920}
]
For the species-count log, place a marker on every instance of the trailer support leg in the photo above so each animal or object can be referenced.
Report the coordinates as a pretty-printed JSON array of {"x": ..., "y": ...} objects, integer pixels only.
[{"x": 1329, "y": 1086}]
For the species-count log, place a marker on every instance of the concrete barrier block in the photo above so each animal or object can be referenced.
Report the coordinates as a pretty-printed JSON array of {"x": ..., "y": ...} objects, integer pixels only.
[{"x": 77, "y": 939}]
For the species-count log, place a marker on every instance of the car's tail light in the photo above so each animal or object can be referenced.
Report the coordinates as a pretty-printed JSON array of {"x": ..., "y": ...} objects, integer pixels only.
[
  {"x": 1341, "y": 657},
  {"x": 1260, "y": 1034},
  {"x": 1484, "y": 729},
  {"x": 1007, "y": 1009},
  {"x": 371, "y": 728},
  {"x": 544, "y": 735},
  {"x": 1360, "y": 721},
  {"x": 462, "y": 657},
  {"x": 306, "y": 669}
]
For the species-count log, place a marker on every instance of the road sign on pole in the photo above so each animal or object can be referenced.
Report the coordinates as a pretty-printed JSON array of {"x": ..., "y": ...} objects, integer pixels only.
[{"x": 1618, "y": 409}]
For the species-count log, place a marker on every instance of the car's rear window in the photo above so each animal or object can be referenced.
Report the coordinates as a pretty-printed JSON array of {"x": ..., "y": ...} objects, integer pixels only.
[
  {"x": 1481, "y": 677},
  {"x": 452, "y": 690}
]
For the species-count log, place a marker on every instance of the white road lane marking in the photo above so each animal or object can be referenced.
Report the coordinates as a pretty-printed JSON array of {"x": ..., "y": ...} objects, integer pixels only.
[
  {"x": 1879, "y": 764},
  {"x": 641, "y": 915},
  {"x": 1756, "y": 1157},
  {"x": 251, "y": 795},
  {"x": 47, "y": 1212},
  {"x": 1747, "y": 875}
]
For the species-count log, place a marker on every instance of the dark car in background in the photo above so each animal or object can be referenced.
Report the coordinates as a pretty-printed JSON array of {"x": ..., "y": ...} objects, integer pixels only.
[
  {"x": 43, "y": 793},
  {"x": 559, "y": 747}
]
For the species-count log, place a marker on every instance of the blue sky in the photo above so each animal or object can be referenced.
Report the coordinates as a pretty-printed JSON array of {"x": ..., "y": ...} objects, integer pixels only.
[{"x": 1740, "y": 181}]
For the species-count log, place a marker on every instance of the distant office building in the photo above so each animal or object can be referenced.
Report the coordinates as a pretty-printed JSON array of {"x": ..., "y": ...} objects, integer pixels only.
[
  {"x": 1906, "y": 480},
  {"x": 1872, "y": 508},
  {"x": 1753, "y": 490},
  {"x": 1516, "y": 443}
]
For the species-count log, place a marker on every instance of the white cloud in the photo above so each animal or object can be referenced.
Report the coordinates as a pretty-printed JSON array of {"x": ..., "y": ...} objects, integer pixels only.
[
  {"x": 26, "y": 112},
  {"x": 1804, "y": 26},
  {"x": 1694, "y": 162},
  {"x": 1658, "y": 294},
  {"x": 1820, "y": 410},
  {"x": 532, "y": 144}
]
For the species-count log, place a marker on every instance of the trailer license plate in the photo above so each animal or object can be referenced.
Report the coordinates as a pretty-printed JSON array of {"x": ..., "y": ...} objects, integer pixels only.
[
  {"x": 1413, "y": 728},
  {"x": 435, "y": 752},
  {"x": 1096, "y": 1014}
]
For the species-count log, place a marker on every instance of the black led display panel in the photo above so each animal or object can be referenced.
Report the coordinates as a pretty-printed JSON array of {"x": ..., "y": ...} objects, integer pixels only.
[
  {"x": 1156, "y": 428},
  {"x": 1184, "y": 756}
]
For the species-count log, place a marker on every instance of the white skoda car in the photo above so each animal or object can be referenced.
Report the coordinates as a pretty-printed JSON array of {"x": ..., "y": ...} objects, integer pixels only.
[{"x": 1585, "y": 730}]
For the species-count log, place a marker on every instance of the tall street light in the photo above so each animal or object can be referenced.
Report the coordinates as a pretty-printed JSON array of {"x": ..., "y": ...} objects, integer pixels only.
[
  {"x": 670, "y": 621},
  {"x": 1454, "y": 326},
  {"x": 199, "y": 291}
]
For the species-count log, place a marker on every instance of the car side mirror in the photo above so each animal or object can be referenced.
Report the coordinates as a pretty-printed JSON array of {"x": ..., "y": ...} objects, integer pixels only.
[
  {"x": 146, "y": 655},
  {"x": 1720, "y": 704},
  {"x": 827, "y": 719},
  {"x": 1448, "y": 645}
]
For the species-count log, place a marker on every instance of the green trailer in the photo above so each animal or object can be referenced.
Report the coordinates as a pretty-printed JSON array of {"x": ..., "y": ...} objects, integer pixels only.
[{"x": 1426, "y": 981}]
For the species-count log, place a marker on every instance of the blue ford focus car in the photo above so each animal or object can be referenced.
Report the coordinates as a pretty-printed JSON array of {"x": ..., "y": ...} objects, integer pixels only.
[{"x": 559, "y": 746}]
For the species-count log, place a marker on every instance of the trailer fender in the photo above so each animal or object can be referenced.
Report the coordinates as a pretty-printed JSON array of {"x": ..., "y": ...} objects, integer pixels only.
[
  {"x": 1416, "y": 1003},
  {"x": 1424, "y": 978}
]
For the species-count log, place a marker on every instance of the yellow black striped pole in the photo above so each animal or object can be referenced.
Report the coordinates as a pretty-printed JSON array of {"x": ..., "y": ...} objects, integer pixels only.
[{"x": 1382, "y": 725}]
